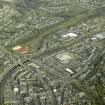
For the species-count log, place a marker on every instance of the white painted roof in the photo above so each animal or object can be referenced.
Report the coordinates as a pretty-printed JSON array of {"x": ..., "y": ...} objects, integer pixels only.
[
  {"x": 70, "y": 35},
  {"x": 16, "y": 89},
  {"x": 69, "y": 70}
]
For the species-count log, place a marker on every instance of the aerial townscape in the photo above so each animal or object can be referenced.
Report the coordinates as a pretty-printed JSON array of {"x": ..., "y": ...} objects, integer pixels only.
[{"x": 52, "y": 52}]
